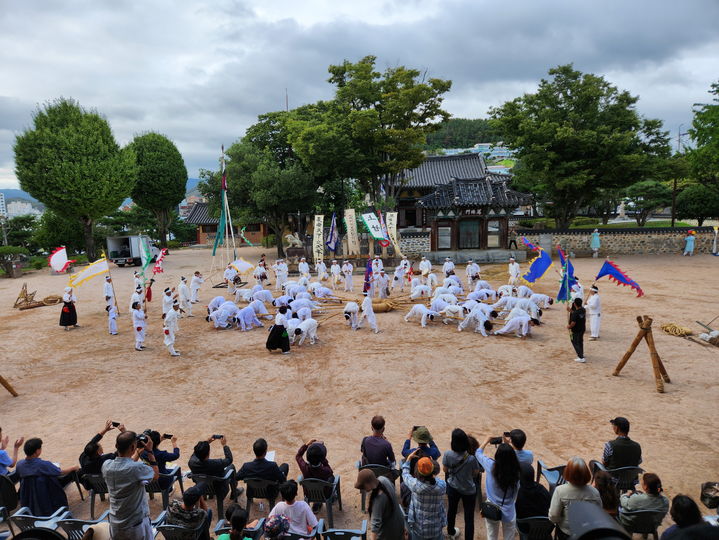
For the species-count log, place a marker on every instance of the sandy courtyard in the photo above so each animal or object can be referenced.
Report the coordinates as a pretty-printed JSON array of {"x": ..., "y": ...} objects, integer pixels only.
[{"x": 226, "y": 382}]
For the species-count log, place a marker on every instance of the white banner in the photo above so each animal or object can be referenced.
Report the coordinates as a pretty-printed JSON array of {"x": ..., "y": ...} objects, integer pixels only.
[
  {"x": 95, "y": 269},
  {"x": 318, "y": 243},
  {"x": 372, "y": 223},
  {"x": 392, "y": 231},
  {"x": 353, "y": 245}
]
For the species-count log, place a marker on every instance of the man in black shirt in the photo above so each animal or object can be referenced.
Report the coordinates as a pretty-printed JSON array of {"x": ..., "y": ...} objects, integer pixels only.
[
  {"x": 200, "y": 463},
  {"x": 92, "y": 457},
  {"x": 260, "y": 467},
  {"x": 577, "y": 325}
]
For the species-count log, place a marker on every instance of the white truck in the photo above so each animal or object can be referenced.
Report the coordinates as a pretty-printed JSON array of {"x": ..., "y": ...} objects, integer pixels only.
[{"x": 129, "y": 250}]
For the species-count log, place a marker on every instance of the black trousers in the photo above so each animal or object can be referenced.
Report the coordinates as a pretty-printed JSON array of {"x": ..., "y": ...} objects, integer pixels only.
[
  {"x": 578, "y": 343},
  {"x": 468, "y": 502},
  {"x": 512, "y": 242}
]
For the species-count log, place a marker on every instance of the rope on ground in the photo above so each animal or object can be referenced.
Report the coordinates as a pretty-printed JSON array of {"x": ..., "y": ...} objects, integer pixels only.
[{"x": 676, "y": 330}]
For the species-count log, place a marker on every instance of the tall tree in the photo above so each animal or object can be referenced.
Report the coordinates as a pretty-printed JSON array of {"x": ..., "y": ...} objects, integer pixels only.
[
  {"x": 698, "y": 202},
  {"x": 70, "y": 161},
  {"x": 161, "y": 178},
  {"x": 462, "y": 133},
  {"x": 704, "y": 158},
  {"x": 578, "y": 134},
  {"x": 646, "y": 197},
  {"x": 20, "y": 231}
]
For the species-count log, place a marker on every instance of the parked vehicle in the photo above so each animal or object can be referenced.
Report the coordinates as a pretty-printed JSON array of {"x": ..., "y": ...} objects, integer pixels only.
[{"x": 130, "y": 250}]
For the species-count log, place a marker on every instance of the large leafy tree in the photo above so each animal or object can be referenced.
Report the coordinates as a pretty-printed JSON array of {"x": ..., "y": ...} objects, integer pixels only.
[
  {"x": 646, "y": 197},
  {"x": 576, "y": 135},
  {"x": 161, "y": 178},
  {"x": 69, "y": 160},
  {"x": 704, "y": 158},
  {"x": 20, "y": 230},
  {"x": 462, "y": 133},
  {"x": 54, "y": 231},
  {"x": 698, "y": 202}
]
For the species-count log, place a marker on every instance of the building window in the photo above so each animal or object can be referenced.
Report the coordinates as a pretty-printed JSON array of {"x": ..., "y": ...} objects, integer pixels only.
[
  {"x": 209, "y": 228},
  {"x": 410, "y": 218},
  {"x": 493, "y": 231},
  {"x": 444, "y": 237}
]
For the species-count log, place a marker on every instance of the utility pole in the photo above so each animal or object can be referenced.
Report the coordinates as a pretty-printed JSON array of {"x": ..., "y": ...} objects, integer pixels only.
[
  {"x": 674, "y": 183},
  {"x": 287, "y": 101}
]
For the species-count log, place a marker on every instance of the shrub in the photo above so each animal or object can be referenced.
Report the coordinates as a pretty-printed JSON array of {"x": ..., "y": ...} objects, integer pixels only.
[
  {"x": 174, "y": 244},
  {"x": 526, "y": 223},
  {"x": 579, "y": 221},
  {"x": 38, "y": 263},
  {"x": 269, "y": 241}
]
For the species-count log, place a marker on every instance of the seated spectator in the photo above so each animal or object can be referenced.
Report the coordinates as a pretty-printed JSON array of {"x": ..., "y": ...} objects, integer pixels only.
[
  {"x": 685, "y": 513},
  {"x": 302, "y": 520},
  {"x": 386, "y": 518},
  {"x": 41, "y": 482},
  {"x": 163, "y": 457},
  {"x": 237, "y": 519},
  {"x": 577, "y": 476},
  {"x": 651, "y": 499},
  {"x": 517, "y": 438},
  {"x": 425, "y": 444},
  {"x": 5, "y": 460},
  {"x": 200, "y": 463},
  {"x": 191, "y": 511},
  {"x": 533, "y": 498},
  {"x": 426, "y": 515},
  {"x": 461, "y": 469},
  {"x": 375, "y": 448},
  {"x": 318, "y": 467},
  {"x": 93, "y": 457},
  {"x": 607, "y": 489},
  {"x": 276, "y": 527},
  {"x": 622, "y": 451},
  {"x": 262, "y": 468},
  {"x": 502, "y": 486}
]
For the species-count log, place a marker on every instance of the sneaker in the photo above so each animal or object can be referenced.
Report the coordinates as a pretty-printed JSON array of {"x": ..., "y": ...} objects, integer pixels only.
[
  {"x": 456, "y": 533},
  {"x": 175, "y": 354},
  {"x": 286, "y": 352},
  {"x": 138, "y": 349},
  {"x": 580, "y": 360},
  {"x": 593, "y": 339}
]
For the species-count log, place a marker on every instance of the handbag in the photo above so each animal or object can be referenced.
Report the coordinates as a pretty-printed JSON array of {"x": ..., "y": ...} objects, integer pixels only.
[{"x": 490, "y": 510}]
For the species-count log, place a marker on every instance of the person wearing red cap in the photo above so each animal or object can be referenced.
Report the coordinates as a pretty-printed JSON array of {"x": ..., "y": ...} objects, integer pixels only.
[
  {"x": 689, "y": 244},
  {"x": 426, "y": 516}
]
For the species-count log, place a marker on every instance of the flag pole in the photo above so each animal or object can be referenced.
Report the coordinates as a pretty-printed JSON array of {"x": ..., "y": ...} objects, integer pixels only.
[{"x": 112, "y": 284}]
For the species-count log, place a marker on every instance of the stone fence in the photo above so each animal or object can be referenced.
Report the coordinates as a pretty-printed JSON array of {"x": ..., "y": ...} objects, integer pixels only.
[
  {"x": 414, "y": 244},
  {"x": 644, "y": 241}
]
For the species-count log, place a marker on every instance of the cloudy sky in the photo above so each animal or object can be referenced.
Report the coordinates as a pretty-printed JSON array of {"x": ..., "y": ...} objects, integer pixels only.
[{"x": 201, "y": 71}]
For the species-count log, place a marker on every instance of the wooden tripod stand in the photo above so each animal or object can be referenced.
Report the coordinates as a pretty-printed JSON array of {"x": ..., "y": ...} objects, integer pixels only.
[
  {"x": 8, "y": 386},
  {"x": 645, "y": 332}
]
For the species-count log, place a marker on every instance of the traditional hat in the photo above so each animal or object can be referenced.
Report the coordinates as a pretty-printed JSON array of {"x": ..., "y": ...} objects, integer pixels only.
[
  {"x": 183, "y": 278},
  {"x": 167, "y": 289},
  {"x": 107, "y": 278},
  {"x": 594, "y": 288},
  {"x": 68, "y": 289},
  {"x": 138, "y": 288}
]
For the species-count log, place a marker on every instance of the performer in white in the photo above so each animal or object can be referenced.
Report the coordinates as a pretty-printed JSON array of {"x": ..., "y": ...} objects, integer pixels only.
[
  {"x": 281, "y": 271},
  {"x": 524, "y": 292},
  {"x": 425, "y": 267},
  {"x": 229, "y": 277},
  {"x": 139, "y": 324},
  {"x": 171, "y": 327},
  {"x": 542, "y": 300},
  {"x": 382, "y": 284},
  {"x": 108, "y": 292},
  {"x": 137, "y": 296},
  {"x": 264, "y": 295},
  {"x": 213, "y": 306},
  {"x": 247, "y": 319},
  {"x": 325, "y": 293},
  {"x": 377, "y": 265},
  {"x": 507, "y": 290},
  {"x": 420, "y": 291},
  {"x": 260, "y": 309},
  {"x": 448, "y": 266},
  {"x": 594, "y": 310},
  {"x": 184, "y": 297},
  {"x": 399, "y": 272},
  {"x": 306, "y": 329},
  {"x": 368, "y": 313},
  {"x": 452, "y": 312},
  {"x": 336, "y": 274},
  {"x": 347, "y": 269},
  {"x": 195, "y": 283},
  {"x": 577, "y": 291},
  {"x": 421, "y": 312},
  {"x": 478, "y": 318},
  {"x": 260, "y": 274},
  {"x": 168, "y": 300},
  {"x": 351, "y": 311},
  {"x": 473, "y": 273},
  {"x": 514, "y": 271},
  {"x": 112, "y": 319},
  {"x": 521, "y": 326},
  {"x": 137, "y": 279},
  {"x": 530, "y": 307},
  {"x": 225, "y": 315},
  {"x": 321, "y": 269},
  {"x": 303, "y": 268}
]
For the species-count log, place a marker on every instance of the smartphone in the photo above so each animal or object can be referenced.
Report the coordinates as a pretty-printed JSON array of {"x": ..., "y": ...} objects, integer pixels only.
[
  {"x": 216, "y": 437},
  {"x": 507, "y": 434},
  {"x": 116, "y": 424},
  {"x": 167, "y": 436},
  {"x": 495, "y": 440}
]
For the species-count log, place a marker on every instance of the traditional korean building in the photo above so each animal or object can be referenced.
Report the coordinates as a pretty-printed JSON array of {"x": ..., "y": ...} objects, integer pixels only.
[{"x": 207, "y": 226}]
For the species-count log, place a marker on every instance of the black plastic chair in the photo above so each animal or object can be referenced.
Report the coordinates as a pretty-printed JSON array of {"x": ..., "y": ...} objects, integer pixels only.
[
  {"x": 255, "y": 533},
  {"x": 321, "y": 492},
  {"x": 209, "y": 482},
  {"x": 535, "y": 528},
  {"x": 553, "y": 475},
  {"x": 75, "y": 528},
  {"x": 378, "y": 470},
  {"x": 344, "y": 534},
  {"x": 259, "y": 488},
  {"x": 24, "y": 520},
  {"x": 178, "y": 532},
  {"x": 98, "y": 487},
  {"x": 642, "y": 522},
  {"x": 175, "y": 475},
  {"x": 3, "y": 519},
  {"x": 624, "y": 477}
]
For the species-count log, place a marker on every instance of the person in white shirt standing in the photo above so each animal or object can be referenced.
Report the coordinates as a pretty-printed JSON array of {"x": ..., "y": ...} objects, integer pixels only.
[
  {"x": 137, "y": 296},
  {"x": 514, "y": 271},
  {"x": 229, "y": 277},
  {"x": 381, "y": 284},
  {"x": 281, "y": 272},
  {"x": 139, "y": 324},
  {"x": 336, "y": 274},
  {"x": 448, "y": 266},
  {"x": 137, "y": 279},
  {"x": 184, "y": 296},
  {"x": 594, "y": 310},
  {"x": 108, "y": 291},
  {"x": 368, "y": 313},
  {"x": 400, "y": 272},
  {"x": 425, "y": 267},
  {"x": 171, "y": 327},
  {"x": 112, "y": 319},
  {"x": 347, "y": 269},
  {"x": 473, "y": 273},
  {"x": 377, "y": 265},
  {"x": 195, "y": 283},
  {"x": 321, "y": 269},
  {"x": 303, "y": 268}
]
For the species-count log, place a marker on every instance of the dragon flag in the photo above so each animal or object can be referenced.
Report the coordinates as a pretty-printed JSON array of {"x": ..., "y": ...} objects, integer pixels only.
[
  {"x": 58, "y": 260},
  {"x": 539, "y": 267},
  {"x": 157, "y": 269},
  {"x": 387, "y": 241},
  {"x": 244, "y": 238},
  {"x": 529, "y": 244},
  {"x": 100, "y": 266},
  {"x": 333, "y": 238},
  {"x": 220, "y": 235},
  {"x": 367, "y": 276},
  {"x": 568, "y": 279},
  {"x": 616, "y": 275}
]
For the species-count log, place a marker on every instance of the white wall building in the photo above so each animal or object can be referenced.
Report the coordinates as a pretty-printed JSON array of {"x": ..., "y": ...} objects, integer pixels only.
[
  {"x": 21, "y": 208},
  {"x": 3, "y": 208}
]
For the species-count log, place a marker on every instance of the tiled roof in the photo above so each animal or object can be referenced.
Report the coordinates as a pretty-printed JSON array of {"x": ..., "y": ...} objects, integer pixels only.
[
  {"x": 200, "y": 215},
  {"x": 489, "y": 191},
  {"x": 440, "y": 169}
]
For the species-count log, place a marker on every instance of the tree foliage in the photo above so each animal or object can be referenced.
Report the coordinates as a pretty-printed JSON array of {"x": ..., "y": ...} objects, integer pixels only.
[
  {"x": 462, "y": 133},
  {"x": 161, "y": 178},
  {"x": 576, "y": 135},
  {"x": 646, "y": 197},
  {"x": 70, "y": 161},
  {"x": 704, "y": 159},
  {"x": 54, "y": 230},
  {"x": 20, "y": 231},
  {"x": 698, "y": 202}
]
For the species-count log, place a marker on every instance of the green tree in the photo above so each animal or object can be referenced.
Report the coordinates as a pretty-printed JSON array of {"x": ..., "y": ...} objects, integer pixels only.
[
  {"x": 704, "y": 159},
  {"x": 578, "y": 134},
  {"x": 161, "y": 178},
  {"x": 10, "y": 254},
  {"x": 605, "y": 203},
  {"x": 646, "y": 197},
  {"x": 70, "y": 161},
  {"x": 54, "y": 231},
  {"x": 20, "y": 231},
  {"x": 698, "y": 202},
  {"x": 462, "y": 133},
  {"x": 136, "y": 220}
]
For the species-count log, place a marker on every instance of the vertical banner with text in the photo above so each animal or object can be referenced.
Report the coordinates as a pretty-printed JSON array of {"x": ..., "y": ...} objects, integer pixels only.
[
  {"x": 392, "y": 231},
  {"x": 318, "y": 242},
  {"x": 353, "y": 245}
]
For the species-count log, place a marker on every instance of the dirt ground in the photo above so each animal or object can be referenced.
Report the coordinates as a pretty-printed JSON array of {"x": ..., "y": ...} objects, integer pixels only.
[{"x": 226, "y": 381}]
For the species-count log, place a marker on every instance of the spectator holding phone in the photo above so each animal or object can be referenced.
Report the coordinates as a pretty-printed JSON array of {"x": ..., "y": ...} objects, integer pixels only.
[
  {"x": 200, "y": 463},
  {"x": 93, "y": 457},
  {"x": 162, "y": 456},
  {"x": 5, "y": 459},
  {"x": 517, "y": 438},
  {"x": 425, "y": 443}
]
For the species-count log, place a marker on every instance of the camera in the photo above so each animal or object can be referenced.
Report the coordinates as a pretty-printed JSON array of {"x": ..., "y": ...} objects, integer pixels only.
[
  {"x": 496, "y": 440},
  {"x": 216, "y": 437},
  {"x": 141, "y": 440},
  {"x": 167, "y": 435}
]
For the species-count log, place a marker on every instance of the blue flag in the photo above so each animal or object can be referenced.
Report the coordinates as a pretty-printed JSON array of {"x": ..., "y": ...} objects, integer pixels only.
[
  {"x": 568, "y": 279},
  {"x": 539, "y": 267},
  {"x": 333, "y": 238}
]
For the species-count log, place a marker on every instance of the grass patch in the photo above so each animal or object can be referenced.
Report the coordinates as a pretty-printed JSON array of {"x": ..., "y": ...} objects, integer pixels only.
[{"x": 633, "y": 225}]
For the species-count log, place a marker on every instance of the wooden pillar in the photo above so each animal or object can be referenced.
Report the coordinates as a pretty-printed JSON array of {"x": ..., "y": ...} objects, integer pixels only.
[
  {"x": 483, "y": 229},
  {"x": 455, "y": 234},
  {"x": 433, "y": 236}
]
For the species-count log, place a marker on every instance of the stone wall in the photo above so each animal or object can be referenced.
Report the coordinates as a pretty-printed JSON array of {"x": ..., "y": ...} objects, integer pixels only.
[
  {"x": 644, "y": 241},
  {"x": 414, "y": 244}
]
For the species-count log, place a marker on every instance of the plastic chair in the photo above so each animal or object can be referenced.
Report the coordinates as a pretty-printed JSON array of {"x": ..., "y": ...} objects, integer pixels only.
[
  {"x": 39, "y": 533},
  {"x": 178, "y": 532},
  {"x": 378, "y": 470},
  {"x": 75, "y": 528},
  {"x": 259, "y": 488},
  {"x": 255, "y": 533},
  {"x": 553, "y": 475},
  {"x": 535, "y": 528},
  {"x": 624, "y": 477},
  {"x": 209, "y": 482},
  {"x": 175, "y": 475},
  {"x": 344, "y": 534},
  {"x": 24, "y": 520},
  {"x": 8, "y": 494},
  {"x": 642, "y": 522},
  {"x": 97, "y": 487},
  {"x": 314, "y": 533},
  {"x": 322, "y": 492},
  {"x": 3, "y": 519},
  {"x": 157, "y": 522}
]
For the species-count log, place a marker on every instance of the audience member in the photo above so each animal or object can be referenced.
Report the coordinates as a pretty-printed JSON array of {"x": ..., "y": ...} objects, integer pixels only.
[
  {"x": 93, "y": 457},
  {"x": 462, "y": 470},
  {"x": 316, "y": 465},
  {"x": 42, "y": 483},
  {"x": 276, "y": 527},
  {"x": 425, "y": 444},
  {"x": 126, "y": 478},
  {"x": 261, "y": 467},
  {"x": 163, "y": 457},
  {"x": 200, "y": 463},
  {"x": 426, "y": 515},
  {"x": 237, "y": 519},
  {"x": 533, "y": 498},
  {"x": 685, "y": 513},
  {"x": 622, "y": 451},
  {"x": 577, "y": 478},
  {"x": 302, "y": 520},
  {"x": 501, "y": 486},
  {"x": 375, "y": 448},
  {"x": 517, "y": 438},
  {"x": 191, "y": 512},
  {"x": 652, "y": 499},
  {"x": 5, "y": 460},
  {"x": 386, "y": 518},
  {"x": 604, "y": 482}
]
